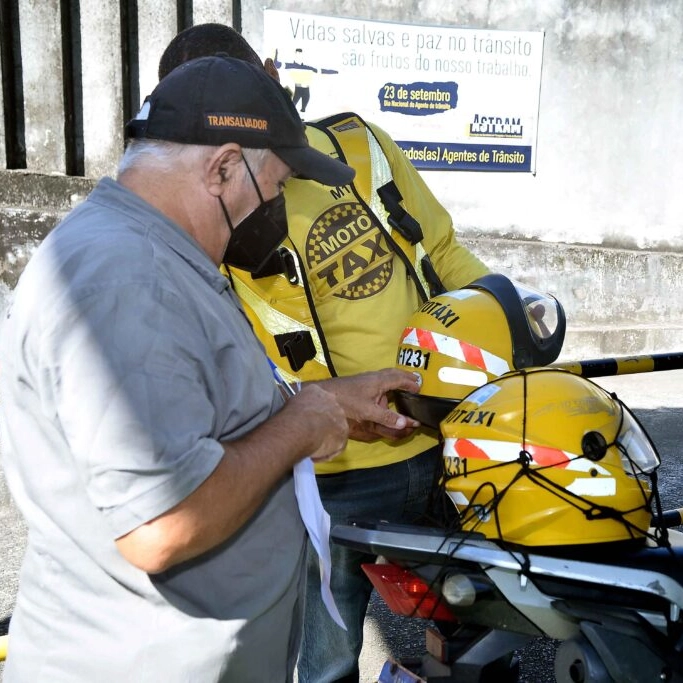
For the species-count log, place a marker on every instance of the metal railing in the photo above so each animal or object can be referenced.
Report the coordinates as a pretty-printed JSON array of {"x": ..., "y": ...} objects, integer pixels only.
[{"x": 74, "y": 71}]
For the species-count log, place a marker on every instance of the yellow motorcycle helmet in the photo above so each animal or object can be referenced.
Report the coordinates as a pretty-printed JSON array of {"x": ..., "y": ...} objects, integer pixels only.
[
  {"x": 462, "y": 339},
  {"x": 543, "y": 457}
]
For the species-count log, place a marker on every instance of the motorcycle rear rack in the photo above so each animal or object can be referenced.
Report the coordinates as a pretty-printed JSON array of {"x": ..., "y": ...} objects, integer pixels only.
[{"x": 655, "y": 571}]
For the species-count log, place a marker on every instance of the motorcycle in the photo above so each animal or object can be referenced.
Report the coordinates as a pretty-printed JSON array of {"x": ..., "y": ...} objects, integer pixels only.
[
  {"x": 618, "y": 615},
  {"x": 556, "y": 527}
]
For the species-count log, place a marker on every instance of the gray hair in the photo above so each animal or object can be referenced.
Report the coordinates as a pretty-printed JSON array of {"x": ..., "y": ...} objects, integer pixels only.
[{"x": 161, "y": 155}]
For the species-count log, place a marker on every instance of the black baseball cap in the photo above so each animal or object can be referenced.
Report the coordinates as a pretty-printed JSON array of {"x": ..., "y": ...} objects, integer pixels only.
[{"x": 214, "y": 100}]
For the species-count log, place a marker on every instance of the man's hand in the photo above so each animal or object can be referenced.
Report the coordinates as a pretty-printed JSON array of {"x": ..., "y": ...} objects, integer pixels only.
[
  {"x": 272, "y": 67},
  {"x": 364, "y": 400},
  {"x": 321, "y": 419}
]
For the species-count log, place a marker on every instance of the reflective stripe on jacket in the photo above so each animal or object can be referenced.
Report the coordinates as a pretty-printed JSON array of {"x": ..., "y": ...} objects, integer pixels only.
[{"x": 281, "y": 306}]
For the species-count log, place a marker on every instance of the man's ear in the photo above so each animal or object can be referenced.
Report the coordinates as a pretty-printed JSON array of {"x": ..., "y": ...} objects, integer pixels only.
[
  {"x": 221, "y": 166},
  {"x": 271, "y": 69}
]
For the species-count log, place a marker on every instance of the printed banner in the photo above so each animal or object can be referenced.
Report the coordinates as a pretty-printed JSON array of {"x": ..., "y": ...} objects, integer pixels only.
[{"x": 452, "y": 98}]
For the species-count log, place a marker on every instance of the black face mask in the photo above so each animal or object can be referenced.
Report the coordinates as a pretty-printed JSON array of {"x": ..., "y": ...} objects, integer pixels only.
[{"x": 253, "y": 240}]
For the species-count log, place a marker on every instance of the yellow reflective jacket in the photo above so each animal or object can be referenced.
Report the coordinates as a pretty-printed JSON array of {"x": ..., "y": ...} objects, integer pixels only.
[{"x": 358, "y": 261}]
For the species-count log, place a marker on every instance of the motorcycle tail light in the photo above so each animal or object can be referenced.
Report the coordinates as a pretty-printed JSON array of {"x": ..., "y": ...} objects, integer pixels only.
[{"x": 406, "y": 594}]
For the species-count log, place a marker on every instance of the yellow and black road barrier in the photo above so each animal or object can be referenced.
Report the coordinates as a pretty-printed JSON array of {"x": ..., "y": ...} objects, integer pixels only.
[{"x": 627, "y": 365}]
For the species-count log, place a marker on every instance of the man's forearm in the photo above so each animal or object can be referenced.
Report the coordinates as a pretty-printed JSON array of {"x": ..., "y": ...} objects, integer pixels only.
[
  {"x": 212, "y": 513},
  {"x": 312, "y": 423}
]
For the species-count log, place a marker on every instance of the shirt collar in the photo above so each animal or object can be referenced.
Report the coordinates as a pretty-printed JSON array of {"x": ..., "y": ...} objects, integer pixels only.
[{"x": 110, "y": 193}]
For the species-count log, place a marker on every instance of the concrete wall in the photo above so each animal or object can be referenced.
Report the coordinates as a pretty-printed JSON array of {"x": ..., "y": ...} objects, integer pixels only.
[
  {"x": 43, "y": 100},
  {"x": 600, "y": 224},
  {"x": 610, "y": 159}
]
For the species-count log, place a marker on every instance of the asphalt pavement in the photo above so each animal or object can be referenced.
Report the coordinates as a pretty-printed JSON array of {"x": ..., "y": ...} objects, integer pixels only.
[{"x": 657, "y": 400}]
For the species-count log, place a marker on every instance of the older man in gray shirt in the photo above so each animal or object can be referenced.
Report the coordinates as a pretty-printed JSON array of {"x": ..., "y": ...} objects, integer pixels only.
[{"x": 145, "y": 439}]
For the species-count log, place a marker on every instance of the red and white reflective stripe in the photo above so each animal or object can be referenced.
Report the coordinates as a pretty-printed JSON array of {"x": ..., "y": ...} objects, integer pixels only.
[
  {"x": 454, "y": 348},
  {"x": 507, "y": 451}
]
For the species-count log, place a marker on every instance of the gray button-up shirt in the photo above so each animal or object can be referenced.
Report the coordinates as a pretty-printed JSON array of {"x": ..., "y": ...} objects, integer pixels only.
[{"x": 125, "y": 359}]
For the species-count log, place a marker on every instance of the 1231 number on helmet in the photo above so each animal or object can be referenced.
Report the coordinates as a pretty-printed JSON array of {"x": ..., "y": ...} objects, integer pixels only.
[{"x": 413, "y": 358}]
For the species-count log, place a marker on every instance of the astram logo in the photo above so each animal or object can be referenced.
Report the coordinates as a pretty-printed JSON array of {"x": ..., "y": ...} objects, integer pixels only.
[{"x": 496, "y": 126}]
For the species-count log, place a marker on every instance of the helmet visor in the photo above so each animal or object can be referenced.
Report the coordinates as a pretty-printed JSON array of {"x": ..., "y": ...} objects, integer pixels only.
[
  {"x": 541, "y": 311},
  {"x": 638, "y": 453},
  {"x": 536, "y": 320}
]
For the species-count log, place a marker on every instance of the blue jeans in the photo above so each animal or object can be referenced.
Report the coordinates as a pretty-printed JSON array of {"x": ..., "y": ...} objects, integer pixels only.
[{"x": 395, "y": 493}]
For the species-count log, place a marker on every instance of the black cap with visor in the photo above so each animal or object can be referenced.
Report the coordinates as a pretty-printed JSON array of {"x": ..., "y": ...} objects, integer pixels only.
[{"x": 215, "y": 100}]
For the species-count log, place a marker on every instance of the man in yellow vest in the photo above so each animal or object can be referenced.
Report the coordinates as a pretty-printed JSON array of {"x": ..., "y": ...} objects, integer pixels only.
[{"x": 333, "y": 301}]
